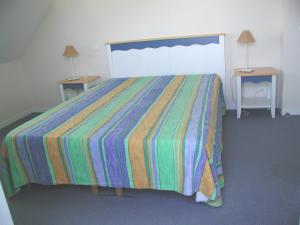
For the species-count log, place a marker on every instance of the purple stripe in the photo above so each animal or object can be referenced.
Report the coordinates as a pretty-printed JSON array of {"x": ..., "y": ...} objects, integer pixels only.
[
  {"x": 24, "y": 157},
  {"x": 114, "y": 145},
  {"x": 192, "y": 137},
  {"x": 199, "y": 165}
]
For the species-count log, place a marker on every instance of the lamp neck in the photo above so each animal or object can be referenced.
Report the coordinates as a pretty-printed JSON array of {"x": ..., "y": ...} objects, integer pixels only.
[
  {"x": 247, "y": 56},
  {"x": 73, "y": 70}
]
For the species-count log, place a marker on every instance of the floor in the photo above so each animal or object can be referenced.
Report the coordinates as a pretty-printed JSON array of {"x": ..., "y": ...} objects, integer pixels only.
[{"x": 262, "y": 186}]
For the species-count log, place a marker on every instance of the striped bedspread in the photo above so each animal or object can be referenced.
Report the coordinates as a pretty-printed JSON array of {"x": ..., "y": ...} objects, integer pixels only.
[{"x": 161, "y": 133}]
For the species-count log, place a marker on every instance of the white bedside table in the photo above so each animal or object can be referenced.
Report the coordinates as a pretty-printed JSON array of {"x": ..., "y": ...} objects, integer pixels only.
[
  {"x": 78, "y": 86},
  {"x": 258, "y": 75}
]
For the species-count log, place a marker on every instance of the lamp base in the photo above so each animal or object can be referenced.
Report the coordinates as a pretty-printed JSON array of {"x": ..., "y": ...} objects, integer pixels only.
[
  {"x": 246, "y": 70},
  {"x": 74, "y": 78}
]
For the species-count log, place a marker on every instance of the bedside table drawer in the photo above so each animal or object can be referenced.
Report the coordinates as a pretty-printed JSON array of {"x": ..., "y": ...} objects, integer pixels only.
[
  {"x": 73, "y": 86},
  {"x": 256, "y": 79}
]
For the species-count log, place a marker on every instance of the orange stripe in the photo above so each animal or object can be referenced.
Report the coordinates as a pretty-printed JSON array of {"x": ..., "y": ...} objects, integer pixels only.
[
  {"x": 56, "y": 162},
  {"x": 149, "y": 156},
  {"x": 213, "y": 122},
  {"x": 136, "y": 140},
  {"x": 207, "y": 185}
]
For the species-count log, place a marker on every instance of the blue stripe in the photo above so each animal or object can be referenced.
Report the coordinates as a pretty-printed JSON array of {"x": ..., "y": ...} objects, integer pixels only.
[
  {"x": 166, "y": 43},
  {"x": 257, "y": 79}
]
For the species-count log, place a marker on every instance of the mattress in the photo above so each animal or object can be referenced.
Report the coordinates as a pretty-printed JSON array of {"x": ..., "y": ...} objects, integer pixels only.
[{"x": 162, "y": 132}]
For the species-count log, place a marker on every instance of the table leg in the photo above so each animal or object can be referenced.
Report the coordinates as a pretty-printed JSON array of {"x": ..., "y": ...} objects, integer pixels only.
[
  {"x": 119, "y": 192},
  {"x": 238, "y": 96},
  {"x": 273, "y": 104},
  {"x": 95, "y": 190},
  {"x": 85, "y": 87},
  {"x": 62, "y": 93}
]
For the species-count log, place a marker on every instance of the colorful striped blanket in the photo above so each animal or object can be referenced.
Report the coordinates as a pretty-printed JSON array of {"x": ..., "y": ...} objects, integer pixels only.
[{"x": 161, "y": 133}]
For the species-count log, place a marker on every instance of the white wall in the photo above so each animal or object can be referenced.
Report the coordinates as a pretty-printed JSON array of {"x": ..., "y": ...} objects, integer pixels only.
[
  {"x": 5, "y": 216},
  {"x": 15, "y": 93},
  {"x": 291, "y": 57},
  {"x": 89, "y": 23},
  {"x": 19, "y": 20}
]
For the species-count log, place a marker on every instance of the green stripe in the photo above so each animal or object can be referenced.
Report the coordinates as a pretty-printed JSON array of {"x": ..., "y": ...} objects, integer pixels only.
[{"x": 166, "y": 151}]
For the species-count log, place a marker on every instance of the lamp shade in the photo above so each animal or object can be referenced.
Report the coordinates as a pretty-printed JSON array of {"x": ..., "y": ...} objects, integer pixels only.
[
  {"x": 246, "y": 37},
  {"x": 70, "y": 51}
]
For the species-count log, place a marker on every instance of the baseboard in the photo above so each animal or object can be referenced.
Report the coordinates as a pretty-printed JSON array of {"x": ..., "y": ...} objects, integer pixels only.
[
  {"x": 14, "y": 118},
  {"x": 291, "y": 111},
  {"x": 41, "y": 109}
]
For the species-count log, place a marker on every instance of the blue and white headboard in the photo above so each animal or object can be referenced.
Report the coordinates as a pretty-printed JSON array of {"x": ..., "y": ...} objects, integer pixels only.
[{"x": 203, "y": 54}]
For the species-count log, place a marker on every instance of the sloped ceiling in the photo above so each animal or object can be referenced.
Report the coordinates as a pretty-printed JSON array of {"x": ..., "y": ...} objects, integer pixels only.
[{"x": 19, "y": 19}]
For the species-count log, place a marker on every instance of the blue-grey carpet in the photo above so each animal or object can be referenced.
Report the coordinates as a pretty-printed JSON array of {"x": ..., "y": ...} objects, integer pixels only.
[{"x": 261, "y": 161}]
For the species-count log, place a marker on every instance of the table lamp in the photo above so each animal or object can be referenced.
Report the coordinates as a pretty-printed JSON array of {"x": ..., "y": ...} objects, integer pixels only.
[
  {"x": 71, "y": 52},
  {"x": 246, "y": 38}
]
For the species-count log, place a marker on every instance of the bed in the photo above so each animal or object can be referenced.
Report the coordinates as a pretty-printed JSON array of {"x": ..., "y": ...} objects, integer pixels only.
[{"x": 150, "y": 132}]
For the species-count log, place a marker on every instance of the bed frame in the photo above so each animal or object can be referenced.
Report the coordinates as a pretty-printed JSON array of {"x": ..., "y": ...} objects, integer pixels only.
[{"x": 202, "y": 54}]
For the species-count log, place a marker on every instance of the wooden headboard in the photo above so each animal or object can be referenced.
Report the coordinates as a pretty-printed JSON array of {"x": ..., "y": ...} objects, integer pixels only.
[{"x": 203, "y": 54}]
